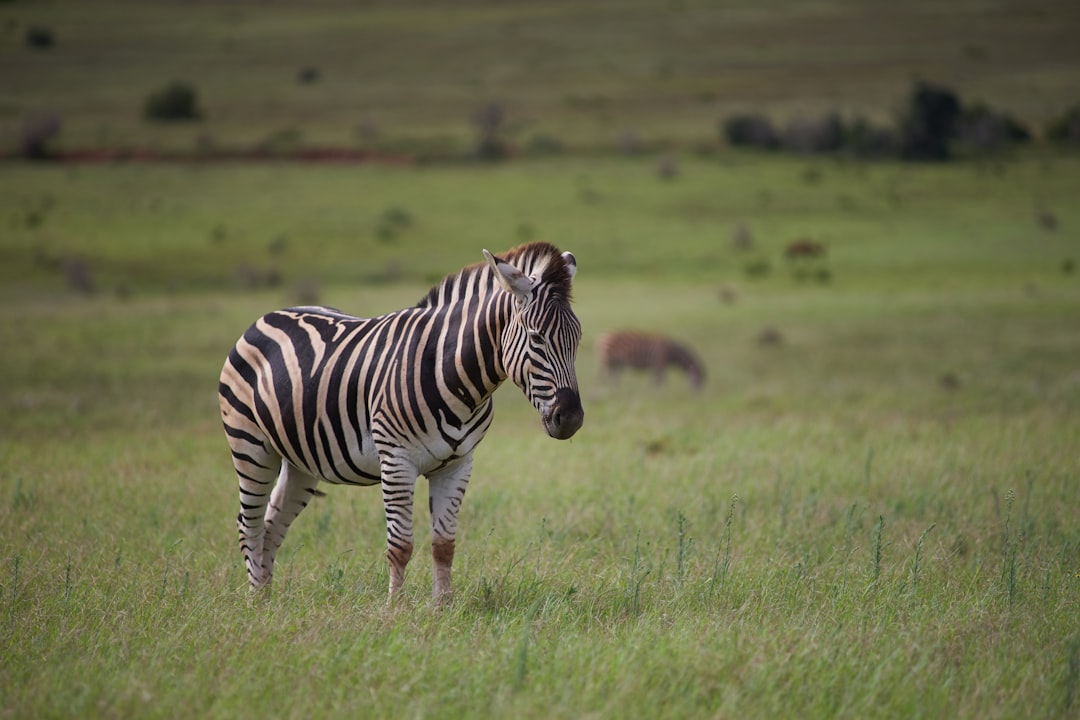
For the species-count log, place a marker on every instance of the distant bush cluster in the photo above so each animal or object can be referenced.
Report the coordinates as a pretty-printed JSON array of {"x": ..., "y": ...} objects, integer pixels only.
[
  {"x": 177, "y": 101},
  {"x": 934, "y": 124}
]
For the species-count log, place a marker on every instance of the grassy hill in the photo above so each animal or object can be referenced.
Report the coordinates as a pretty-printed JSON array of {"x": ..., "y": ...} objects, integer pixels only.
[{"x": 413, "y": 75}]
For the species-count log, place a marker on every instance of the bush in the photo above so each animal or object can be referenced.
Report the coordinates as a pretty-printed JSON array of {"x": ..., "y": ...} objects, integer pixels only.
[
  {"x": 983, "y": 129},
  {"x": 629, "y": 142},
  {"x": 667, "y": 167},
  {"x": 176, "y": 101},
  {"x": 39, "y": 37},
  {"x": 815, "y": 135},
  {"x": 932, "y": 121},
  {"x": 36, "y": 135},
  {"x": 1065, "y": 129},
  {"x": 868, "y": 141},
  {"x": 750, "y": 130},
  {"x": 488, "y": 121},
  {"x": 281, "y": 141}
]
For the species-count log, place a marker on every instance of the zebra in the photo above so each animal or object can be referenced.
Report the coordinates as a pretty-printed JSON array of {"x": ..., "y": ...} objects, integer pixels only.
[
  {"x": 619, "y": 349},
  {"x": 309, "y": 394}
]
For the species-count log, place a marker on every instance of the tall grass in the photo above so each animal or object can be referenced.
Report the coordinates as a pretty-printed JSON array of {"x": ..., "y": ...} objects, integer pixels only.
[{"x": 876, "y": 516}]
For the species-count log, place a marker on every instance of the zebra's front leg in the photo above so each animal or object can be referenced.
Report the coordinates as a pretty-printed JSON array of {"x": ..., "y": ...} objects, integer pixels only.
[
  {"x": 446, "y": 490},
  {"x": 398, "y": 486}
]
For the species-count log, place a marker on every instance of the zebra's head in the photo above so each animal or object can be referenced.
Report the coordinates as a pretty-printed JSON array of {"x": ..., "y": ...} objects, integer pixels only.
[{"x": 540, "y": 342}]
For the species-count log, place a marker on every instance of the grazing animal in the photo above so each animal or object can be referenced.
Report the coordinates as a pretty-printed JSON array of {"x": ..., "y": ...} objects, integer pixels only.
[
  {"x": 619, "y": 349},
  {"x": 310, "y": 394},
  {"x": 804, "y": 249}
]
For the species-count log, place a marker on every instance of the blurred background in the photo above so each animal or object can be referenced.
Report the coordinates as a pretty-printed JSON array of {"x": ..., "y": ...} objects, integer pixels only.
[
  {"x": 804, "y": 164},
  {"x": 439, "y": 81}
]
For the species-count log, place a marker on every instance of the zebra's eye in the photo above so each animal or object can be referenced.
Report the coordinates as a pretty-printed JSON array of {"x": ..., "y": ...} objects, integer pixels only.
[{"x": 537, "y": 338}]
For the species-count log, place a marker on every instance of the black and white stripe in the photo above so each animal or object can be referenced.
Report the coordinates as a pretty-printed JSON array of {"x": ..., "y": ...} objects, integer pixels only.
[{"x": 311, "y": 394}]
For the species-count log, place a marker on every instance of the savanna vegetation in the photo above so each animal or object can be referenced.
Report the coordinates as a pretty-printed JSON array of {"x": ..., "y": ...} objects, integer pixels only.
[
  {"x": 870, "y": 509},
  {"x": 420, "y": 77}
]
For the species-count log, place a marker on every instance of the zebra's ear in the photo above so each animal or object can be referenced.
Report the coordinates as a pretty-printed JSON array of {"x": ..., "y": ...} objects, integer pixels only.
[
  {"x": 511, "y": 279},
  {"x": 571, "y": 263}
]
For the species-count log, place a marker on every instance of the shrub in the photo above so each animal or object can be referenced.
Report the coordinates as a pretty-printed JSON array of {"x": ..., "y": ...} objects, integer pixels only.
[
  {"x": 177, "y": 101},
  {"x": 394, "y": 219},
  {"x": 78, "y": 275},
  {"x": 397, "y": 215},
  {"x": 1065, "y": 129},
  {"x": 667, "y": 167},
  {"x": 39, "y": 37},
  {"x": 983, "y": 129},
  {"x": 742, "y": 237},
  {"x": 488, "y": 122},
  {"x": 37, "y": 133},
  {"x": 629, "y": 143},
  {"x": 281, "y": 141},
  {"x": 815, "y": 135},
  {"x": 756, "y": 268},
  {"x": 750, "y": 130},
  {"x": 866, "y": 140}
]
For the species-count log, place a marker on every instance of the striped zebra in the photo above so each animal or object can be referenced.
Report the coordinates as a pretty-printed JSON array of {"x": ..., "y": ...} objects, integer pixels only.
[
  {"x": 619, "y": 349},
  {"x": 310, "y": 394}
]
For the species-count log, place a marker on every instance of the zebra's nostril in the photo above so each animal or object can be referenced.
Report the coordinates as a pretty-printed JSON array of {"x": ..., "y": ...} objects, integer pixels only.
[{"x": 565, "y": 416}]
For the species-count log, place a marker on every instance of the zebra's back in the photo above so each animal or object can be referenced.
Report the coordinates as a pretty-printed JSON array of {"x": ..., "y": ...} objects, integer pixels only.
[
  {"x": 298, "y": 379},
  {"x": 325, "y": 388}
]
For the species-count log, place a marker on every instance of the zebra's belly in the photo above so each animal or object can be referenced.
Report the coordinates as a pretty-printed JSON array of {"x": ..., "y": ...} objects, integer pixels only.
[
  {"x": 432, "y": 453},
  {"x": 360, "y": 464},
  {"x": 356, "y": 463},
  {"x": 351, "y": 455},
  {"x": 443, "y": 442}
]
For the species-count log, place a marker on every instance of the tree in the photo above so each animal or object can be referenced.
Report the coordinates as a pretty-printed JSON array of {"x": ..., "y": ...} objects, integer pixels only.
[{"x": 928, "y": 122}]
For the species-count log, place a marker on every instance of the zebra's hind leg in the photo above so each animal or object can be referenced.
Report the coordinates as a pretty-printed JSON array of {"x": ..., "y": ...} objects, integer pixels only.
[
  {"x": 256, "y": 469},
  {"x": 292, "y": 493},
  {"x": 446, "y": 490}
]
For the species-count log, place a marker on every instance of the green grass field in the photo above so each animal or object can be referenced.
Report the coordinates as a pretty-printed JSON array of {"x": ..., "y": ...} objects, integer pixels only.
[
  {"x": 876, "y": 516},
  {"x": 871, "y": 509}
]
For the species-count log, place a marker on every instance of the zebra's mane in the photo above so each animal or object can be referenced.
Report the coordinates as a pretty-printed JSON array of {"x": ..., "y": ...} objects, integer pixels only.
[{"x": 532, "y": 258}]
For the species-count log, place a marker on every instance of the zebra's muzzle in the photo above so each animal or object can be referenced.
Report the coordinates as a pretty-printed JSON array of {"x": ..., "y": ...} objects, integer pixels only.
[{"x": 565, "y": 415}]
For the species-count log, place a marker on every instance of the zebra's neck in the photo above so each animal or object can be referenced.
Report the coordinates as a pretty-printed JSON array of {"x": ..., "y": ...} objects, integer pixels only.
[{"x": 474, "y": 329}]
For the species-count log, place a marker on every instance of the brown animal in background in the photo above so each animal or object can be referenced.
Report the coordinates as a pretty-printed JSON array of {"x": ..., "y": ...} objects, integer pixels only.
[
  {"x": 620, "y": 349},
  {"x": 804, "y": 249}
]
